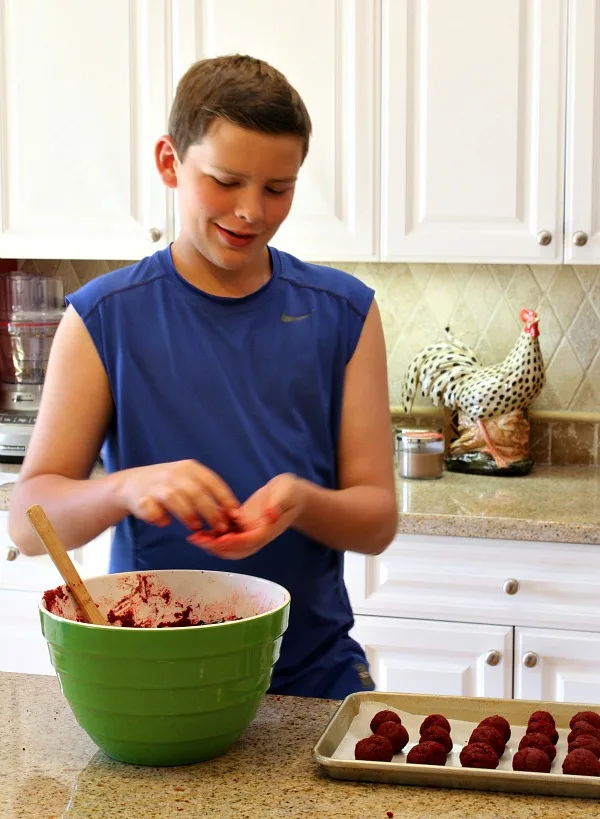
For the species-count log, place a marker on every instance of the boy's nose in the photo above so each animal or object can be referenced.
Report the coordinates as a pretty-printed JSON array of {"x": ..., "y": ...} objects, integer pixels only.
[{"x": 250, "y": 207}]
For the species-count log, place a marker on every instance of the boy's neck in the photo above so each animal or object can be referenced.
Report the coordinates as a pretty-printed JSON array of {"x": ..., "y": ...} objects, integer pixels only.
[{"x": 203, "y": 274}]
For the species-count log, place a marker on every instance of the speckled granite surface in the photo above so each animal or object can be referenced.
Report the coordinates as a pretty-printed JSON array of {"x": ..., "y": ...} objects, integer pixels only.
[
  {"x": 553, "y": 503},
  {"x": 49, "y": 769}
]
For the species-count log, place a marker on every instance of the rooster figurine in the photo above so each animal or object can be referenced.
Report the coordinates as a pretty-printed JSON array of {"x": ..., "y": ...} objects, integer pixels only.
[{"x": 450, "y": 373}]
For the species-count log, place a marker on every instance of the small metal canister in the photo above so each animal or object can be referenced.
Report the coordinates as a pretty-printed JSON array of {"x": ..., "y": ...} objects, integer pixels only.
[{"x": 420, "y": 453}]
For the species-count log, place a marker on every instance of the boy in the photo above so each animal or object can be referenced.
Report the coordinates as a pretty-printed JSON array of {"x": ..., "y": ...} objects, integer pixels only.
[{"x": 241, "y": 394}]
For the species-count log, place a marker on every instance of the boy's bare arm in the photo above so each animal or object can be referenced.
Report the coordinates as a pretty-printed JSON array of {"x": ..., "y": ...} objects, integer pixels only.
[
  {"x": 74, "y": 415},
  {"x": 362, "y": 515}
]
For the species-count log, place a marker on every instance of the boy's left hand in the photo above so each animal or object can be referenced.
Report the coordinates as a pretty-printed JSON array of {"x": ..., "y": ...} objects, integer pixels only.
[{"x": 264, "y": 516}]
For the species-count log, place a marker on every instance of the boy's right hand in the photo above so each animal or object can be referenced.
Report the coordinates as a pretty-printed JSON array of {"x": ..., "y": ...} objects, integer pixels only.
[{"x": 185, "y": 490}]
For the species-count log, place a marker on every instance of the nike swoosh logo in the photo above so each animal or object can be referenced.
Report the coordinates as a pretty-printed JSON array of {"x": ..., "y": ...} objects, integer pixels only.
[{"x": 285, "y": 317}]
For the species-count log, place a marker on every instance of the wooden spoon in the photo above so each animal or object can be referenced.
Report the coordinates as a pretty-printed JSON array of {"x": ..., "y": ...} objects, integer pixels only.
[{"x": 62, "y": 561}]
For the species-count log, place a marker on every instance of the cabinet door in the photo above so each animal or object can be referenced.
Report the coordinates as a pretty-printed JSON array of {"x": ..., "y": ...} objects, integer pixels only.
[
  {"x": 426, "y": 657},
  {"x": 582, "y": 205},
  {"x": 326, "y": 48},
  {"x": 473, "y": 121},
  {"x": 559, "y": 666},
  {"x": 83, "y": 90},
  {"x": 23, "y": 648},
  {"x": 19, "y": 572}
]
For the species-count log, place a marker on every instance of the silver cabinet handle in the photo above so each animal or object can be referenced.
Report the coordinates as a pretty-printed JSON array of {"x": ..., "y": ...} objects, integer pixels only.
[
  {"x": 544, "y": 237},
  {"x": 511, "y": 586},
  {"x": 580, "y": 238},
  {"x": 12, "y": 553},
  {"x": 493, "y": 657},
  {"x": 154, "y": 234},
  {"x": 530, "y": 659}
]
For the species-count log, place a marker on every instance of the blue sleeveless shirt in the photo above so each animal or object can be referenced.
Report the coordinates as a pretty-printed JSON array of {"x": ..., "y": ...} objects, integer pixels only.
[{"x": 251, "y": 387}]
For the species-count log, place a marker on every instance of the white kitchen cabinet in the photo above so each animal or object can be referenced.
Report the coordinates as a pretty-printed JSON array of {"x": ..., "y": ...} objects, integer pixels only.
[
  {"x": 561, "y": 666},
  {"x": 83, "y": 90},
  {"x": 582, "y": 178},
  {"x": 473, "y": 99},
  {"x": 425, "y": 657},
  {"x": 431, "y": 608},
  {"x": 23, "y": 648},
  {"x": 22, "y": 582},
  {"x": 328, "y": 51}
]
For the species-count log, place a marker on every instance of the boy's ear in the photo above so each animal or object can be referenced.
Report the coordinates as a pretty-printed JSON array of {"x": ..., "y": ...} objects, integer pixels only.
[{"x": 166, "y": 160}]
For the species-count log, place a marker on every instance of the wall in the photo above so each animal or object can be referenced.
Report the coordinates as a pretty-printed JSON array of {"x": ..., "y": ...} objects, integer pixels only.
[{"x": 481, "y": 304}]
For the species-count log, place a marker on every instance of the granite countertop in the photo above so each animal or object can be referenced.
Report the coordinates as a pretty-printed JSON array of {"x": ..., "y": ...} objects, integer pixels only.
[
  {"x": 553, "y": 503},
  {"x": 49, "y": 769}
]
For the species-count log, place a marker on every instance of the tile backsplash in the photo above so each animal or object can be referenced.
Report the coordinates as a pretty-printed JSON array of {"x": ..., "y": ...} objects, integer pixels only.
[{"x": 481, "y": 304}]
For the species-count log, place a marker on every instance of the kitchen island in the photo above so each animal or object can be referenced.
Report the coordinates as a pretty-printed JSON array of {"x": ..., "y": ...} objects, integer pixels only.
[{"x": 50, "y": 769}]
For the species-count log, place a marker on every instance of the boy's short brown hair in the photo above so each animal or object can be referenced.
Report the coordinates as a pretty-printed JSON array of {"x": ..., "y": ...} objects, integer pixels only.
[{"x": 244, "y": 90}]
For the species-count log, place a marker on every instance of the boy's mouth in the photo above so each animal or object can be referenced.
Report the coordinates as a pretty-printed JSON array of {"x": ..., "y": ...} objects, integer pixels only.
[{"x": 235, "y": 239}]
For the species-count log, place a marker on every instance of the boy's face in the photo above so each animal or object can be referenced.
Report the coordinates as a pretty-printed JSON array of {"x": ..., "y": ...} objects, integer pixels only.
[{"x": 235, "y": 189}]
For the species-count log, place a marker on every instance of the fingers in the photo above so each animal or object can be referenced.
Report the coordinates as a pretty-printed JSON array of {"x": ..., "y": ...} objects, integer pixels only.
[{"x": 152, "y": 512}]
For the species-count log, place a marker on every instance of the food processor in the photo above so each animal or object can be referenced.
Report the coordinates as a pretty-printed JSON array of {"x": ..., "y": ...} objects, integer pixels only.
[{"x": 31, "y": 307}]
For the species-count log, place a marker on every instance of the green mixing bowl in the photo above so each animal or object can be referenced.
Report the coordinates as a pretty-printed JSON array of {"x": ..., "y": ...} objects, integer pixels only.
[{"x": 167, "y": 696}]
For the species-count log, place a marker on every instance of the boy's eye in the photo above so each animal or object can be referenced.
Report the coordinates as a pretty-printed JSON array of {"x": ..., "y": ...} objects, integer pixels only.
[
  {"x": 225, "y": 184},
  {"x": 276, "y": 192}
]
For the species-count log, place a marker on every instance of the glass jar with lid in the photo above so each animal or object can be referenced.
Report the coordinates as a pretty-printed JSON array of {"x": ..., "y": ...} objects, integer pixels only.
[{"x": 420, "y": 453}]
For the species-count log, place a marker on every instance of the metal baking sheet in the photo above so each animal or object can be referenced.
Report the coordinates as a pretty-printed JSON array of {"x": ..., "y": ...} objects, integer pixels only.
[{"x": 469, "y": 709}]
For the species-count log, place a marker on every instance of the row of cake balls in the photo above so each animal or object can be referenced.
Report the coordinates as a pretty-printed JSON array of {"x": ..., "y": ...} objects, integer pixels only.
[{"x": 487, "y": 742}]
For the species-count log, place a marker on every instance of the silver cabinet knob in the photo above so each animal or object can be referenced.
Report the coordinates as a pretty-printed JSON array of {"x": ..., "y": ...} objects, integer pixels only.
[
  {"x": 493, "y": 657},
  {"x": 154, "y": 234},
  {"x": 12, "y": 553},
  {"x": 529, "y": 659},
  {"x": 544, "y": 237},
  {"x": 511, "y": 586},
  {"x": 580, "y": 238}
]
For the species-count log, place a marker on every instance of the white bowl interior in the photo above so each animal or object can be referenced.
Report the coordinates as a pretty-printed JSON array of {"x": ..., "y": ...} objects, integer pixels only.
[{"x": 160, "y": 597}]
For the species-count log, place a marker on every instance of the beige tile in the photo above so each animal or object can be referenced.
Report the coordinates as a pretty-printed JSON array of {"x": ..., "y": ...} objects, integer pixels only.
[
  {"x": 588, "y": 276},
  {"x": 482, "y": 294},
  {"x": 565, "y": 295},
  {"x": 584, "y": 334},
  {"x": 595, "y": 295},
  {"x": 565, "y": 373},
  {"x": 374, "y": 276},
  {"x": 523, "y": 291},
  {"x": 551, "y": 332},
  {"x": 572, "y": 444},
  {"x": 586, "y": 399},
  {"x": 402, "y": 293},
  {"x": 504, "y": 274},
  {"x": 67, "y": 274},
  {"x": 545, "y": 274},
  {"x": 421, "y": 330},
  {"x": 441, "y": 294},
  {"x": 464, "y": 325},
  {"x": 502, "y": 330},
  {"x": 547, "y": 399},
  {"x": 422, "y": 273}
]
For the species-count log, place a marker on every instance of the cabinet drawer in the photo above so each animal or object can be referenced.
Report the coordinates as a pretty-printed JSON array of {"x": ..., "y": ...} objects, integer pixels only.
[
  {"x": 421, "y": 657},
  {"x": 470, "y": 579}
]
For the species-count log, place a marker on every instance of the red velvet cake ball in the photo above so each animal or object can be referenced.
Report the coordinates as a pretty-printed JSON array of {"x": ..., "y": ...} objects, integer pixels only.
[
  {"x": 586, "y": 742},
  {"x": 374, "y": 749},
  {"x": 437, "y": 734},
  {"x": 499, "y": 723},
  {"x": 435, "y": 719},
  {"x": 543, "y": 728},
  {"x": 583, "y": 728},
  {"x": 427, "y": 753},
  {"x": 396, "y": 733},
  {"x": 384, "y": 716},
  {"x": 490, "y": 736},
  {"x": 478, "y": 755},
  {"x": 532, "y": 760},
  {"x": 586, "y": 716},
  {"x": 539, "y": 741},
  {"x": 542, "y": 716},
  {"x": 581, "y": 763}
]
